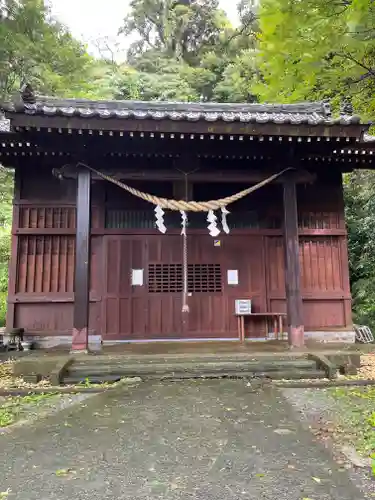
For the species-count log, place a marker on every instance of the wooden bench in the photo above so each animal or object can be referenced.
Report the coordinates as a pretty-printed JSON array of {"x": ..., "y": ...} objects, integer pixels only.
[{"x": 277, "y": 323}]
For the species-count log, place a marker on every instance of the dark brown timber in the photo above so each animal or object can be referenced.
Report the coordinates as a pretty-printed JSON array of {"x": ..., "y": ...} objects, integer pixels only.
[
  {"x": 292, "y": 265},
  {"x": 82, "y": 263}
]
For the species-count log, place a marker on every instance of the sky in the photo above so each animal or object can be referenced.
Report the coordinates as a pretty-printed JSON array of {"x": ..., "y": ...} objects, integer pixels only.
[{"x": 90, "y": 20}]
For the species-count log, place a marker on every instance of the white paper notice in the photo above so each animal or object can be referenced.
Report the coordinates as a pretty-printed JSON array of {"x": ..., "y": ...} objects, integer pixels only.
[
  {"x": 137, "y": 277},
  {"x": 232, "y": 276}
]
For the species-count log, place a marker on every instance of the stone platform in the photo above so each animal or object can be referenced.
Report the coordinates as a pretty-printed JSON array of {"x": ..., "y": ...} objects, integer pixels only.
[{"x": 273, "y": 360}]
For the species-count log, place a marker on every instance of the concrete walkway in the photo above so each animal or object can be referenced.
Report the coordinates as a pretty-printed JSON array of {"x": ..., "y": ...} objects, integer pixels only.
[{"x": 206, "y": 440}]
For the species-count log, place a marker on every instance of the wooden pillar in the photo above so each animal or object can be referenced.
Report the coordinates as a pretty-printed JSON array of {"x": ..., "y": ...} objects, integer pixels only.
[
  {"x": 292, "y": 264},
  {"x": 82, "y": 263},
  {"x": 14, "y": 255}
]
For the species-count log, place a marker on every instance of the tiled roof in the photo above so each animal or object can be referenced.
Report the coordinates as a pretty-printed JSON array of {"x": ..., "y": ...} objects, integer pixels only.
[{"x": 311, "y": 113}]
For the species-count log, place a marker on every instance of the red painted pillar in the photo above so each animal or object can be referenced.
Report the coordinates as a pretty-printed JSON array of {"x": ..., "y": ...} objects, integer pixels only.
[
  {"x": 292, "y": 265},
  {"x": 80, "y": 334}
]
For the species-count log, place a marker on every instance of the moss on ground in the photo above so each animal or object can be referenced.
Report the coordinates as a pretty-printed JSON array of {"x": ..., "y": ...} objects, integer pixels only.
[
  {"x": 14, "y": 408},
  {"x": 356, "y": 421}
]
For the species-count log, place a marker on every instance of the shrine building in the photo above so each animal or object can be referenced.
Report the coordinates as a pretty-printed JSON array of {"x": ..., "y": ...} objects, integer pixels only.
[{"x": 107, "y": 242}]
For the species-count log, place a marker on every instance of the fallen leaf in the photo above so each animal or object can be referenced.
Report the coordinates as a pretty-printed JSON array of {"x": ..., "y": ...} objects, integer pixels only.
[
  {"x": 282, "y": 431},
  {"x": 259, "y": 475},
  {"x": 317, "y": 479},
  {"x": 64, "y": 472}
]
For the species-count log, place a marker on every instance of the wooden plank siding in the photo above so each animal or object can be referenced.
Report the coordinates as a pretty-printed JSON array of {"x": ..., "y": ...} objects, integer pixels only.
[{"x": 41, "y": 294}]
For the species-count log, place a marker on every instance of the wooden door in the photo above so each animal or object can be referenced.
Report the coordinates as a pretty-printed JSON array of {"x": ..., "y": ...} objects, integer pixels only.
[
  {"x": 245, "y": 253},
  {"x": 211, "y": 298},
  {"x": 151, "y": 311},
  {"x": 154, "y": 310}
]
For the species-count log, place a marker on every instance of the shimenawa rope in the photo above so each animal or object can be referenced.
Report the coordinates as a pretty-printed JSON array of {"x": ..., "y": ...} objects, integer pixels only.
[{"x": 182, "y": 205}]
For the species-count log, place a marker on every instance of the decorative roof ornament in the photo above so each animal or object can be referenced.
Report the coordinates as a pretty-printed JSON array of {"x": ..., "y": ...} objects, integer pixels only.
[
  {"x": 326, "y": 107},
  {"x": 27, "y": 94},
  {"x": 346, "y": 108}
]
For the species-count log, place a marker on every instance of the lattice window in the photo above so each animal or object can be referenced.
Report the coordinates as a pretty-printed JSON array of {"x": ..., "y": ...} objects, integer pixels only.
[
  {"x": 168, "y": 278},
  {"x": 164, "y": 278},
  {"x": 204, "y": 278}
]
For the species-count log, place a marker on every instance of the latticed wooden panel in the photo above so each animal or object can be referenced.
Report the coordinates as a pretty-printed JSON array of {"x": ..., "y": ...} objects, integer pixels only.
[
  {"x": 145, "y": 219},
  {"x": 168, "y": 278},
  {"x": 47, "y": 218},
  {"x": 204, "y": 278},
  {"x": 319, "y": 220},
  {"x": 165, "y": 278},
  {"x": 46, "y": 264}
]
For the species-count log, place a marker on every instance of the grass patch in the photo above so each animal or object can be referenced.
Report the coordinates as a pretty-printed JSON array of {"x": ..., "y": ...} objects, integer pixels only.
[
  {"x": 3, "y": 306},
  {"x": 357, "y": 418},
  {"x": 14, "y": 408}
]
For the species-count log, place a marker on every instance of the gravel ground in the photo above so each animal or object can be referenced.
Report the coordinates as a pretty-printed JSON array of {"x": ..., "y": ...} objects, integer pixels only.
[{"x": 319, "y": 410}]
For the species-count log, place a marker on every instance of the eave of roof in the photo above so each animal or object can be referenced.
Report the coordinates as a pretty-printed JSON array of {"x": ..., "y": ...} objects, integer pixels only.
[{"x": 309, "y": 113}]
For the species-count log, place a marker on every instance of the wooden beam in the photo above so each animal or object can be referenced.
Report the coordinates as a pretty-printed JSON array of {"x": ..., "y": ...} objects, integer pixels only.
[
  {"x": 172, "y": 175},
  {"x": 292, "y": 264},
  {"x": 82, "y": 263}
]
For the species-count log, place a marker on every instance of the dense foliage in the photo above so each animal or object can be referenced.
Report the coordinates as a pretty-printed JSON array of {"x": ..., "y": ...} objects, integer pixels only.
[
  {"x": 316, "y": 49},
  {"x": 281, "y": 50},
  {"x": 6, "y": 195}
]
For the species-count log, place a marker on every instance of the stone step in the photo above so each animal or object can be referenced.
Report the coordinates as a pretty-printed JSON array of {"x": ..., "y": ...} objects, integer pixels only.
[
  {"x": 88, "y": 360},
  {"x": 209, "y": 366},
  {"x": 275, "y": 375}
]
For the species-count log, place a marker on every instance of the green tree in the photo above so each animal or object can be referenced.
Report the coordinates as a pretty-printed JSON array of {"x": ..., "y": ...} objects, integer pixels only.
[
  {"x": 181, "y": 30},
  {"x": 359, "y": 189},
  {"x": 317, "y": 49},
  {"x": 189, "y": 51},
  {"x": 238, "y": 78},
  {"x": 37, "y": 49},
  {"x": 162, "y": 84}
]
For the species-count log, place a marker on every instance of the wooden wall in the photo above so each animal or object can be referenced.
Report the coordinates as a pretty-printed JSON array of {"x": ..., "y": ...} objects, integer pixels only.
[{"x": 41, "y": 290}]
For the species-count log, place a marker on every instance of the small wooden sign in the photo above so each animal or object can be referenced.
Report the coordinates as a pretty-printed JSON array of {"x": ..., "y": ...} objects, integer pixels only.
[{"x": 242, "y": 307}]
